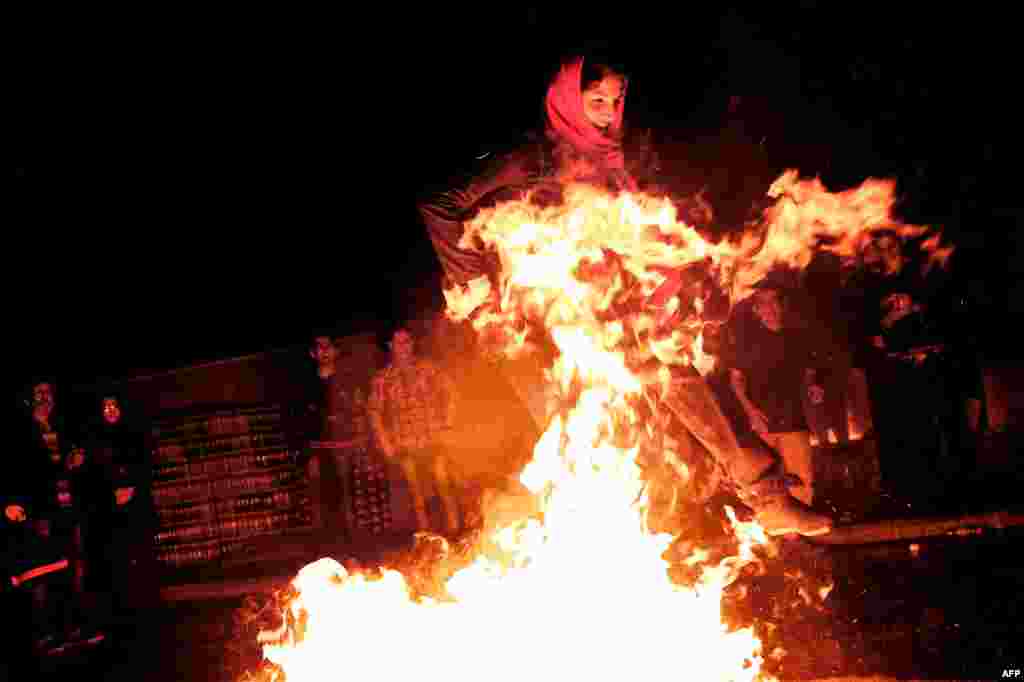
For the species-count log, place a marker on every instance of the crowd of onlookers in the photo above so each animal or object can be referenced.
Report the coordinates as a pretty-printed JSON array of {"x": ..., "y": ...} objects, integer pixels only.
[
  {"x": 867, "y": 349},
  {"x": 810, "y": 363},
  {"x": 78, "y": 519}
]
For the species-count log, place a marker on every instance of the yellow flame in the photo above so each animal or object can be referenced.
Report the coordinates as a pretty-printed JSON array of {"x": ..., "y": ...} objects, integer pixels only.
[
  {"x": 589, "y": 595},
  {"x": 586, "y": 593}
]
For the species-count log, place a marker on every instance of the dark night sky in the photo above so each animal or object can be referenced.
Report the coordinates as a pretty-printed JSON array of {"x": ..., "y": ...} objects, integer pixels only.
[{"x": 202, "y": 186}]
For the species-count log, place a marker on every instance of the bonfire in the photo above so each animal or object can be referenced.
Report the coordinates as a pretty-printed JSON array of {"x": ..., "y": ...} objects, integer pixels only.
[{"x": 588, "y": 587}]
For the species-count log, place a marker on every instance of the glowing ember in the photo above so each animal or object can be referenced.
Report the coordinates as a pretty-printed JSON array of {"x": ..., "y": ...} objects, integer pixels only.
[{"x": 617, "y": 284}]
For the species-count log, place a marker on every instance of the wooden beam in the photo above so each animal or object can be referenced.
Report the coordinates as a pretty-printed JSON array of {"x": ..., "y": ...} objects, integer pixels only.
[
  {"x": 225, "y": 589},
  {"x": 892, "y": 530}
]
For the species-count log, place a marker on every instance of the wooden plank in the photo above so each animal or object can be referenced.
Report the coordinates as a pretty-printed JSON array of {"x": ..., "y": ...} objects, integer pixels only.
[
  {"x": 892, "y": 530},
  {"x": 226, "y": 589}
]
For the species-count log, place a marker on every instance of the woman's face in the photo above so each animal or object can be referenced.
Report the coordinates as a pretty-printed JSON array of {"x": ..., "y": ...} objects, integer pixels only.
[
  {"x": 600, "y": 101},
  {"x": 111, "y": 410}
]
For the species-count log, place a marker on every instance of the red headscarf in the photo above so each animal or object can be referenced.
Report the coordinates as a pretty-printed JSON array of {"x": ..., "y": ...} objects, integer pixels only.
[{"x": 567, "y": 122}]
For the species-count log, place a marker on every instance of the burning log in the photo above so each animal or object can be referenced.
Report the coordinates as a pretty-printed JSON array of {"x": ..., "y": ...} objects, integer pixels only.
[{"x": 892, "y": 530}]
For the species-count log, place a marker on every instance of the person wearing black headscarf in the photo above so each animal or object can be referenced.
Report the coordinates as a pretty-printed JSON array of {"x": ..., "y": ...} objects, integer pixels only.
[{"x": 120, "y": 508}]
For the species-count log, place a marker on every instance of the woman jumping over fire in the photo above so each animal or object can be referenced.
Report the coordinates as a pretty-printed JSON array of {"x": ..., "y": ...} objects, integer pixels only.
[{"x": 585, "y": 141}]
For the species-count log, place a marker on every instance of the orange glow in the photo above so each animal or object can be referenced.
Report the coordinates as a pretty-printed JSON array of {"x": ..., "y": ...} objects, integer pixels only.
[{"x": 586, "y": 594}]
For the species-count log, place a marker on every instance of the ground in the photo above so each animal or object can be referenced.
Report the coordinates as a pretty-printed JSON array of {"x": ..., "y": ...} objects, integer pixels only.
[{"x": 936, "y": 608}]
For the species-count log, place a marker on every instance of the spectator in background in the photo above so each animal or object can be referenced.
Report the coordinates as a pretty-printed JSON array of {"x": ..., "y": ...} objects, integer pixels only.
[
  {"x": 768, "y": 364},
  {"x": 911, "y": 388},
  {"x": 846, "y": 407},
  {"x": 122, "y": 517},
  {"x": 49, "y": 487},
  {"x": 411, "y": 409},
  {"x": 923, "y": 386},
  {"x": 326, "y": 427}
]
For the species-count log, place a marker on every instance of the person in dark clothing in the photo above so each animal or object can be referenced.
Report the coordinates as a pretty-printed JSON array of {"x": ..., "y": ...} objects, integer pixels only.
[
  {"x": 47, "y": 495},
  {"x": 334, "y": 429},
  {"x": 920, "y": 410},
  {"x": 122, "y": 516},
  {"x": 326, "y": 425},
  {"x": 916, "y": 399},
  {"x": 585, "y": 141},
  {"x": 774, "y": 364},
  {"x": 846, "y": 408}
]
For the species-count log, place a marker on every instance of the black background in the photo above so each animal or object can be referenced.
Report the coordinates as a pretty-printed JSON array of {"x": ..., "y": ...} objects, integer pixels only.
[{"x": 206, "y": 183}]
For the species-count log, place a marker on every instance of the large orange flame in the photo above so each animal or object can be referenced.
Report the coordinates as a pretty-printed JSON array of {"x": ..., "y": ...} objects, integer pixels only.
[{"x": 586, "y": 593}]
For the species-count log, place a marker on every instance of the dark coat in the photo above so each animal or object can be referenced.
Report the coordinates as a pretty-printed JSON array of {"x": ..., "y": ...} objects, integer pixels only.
[{"x": 506, "y": 176}]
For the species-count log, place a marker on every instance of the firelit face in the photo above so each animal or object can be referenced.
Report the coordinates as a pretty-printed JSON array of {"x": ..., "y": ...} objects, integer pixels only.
[{"x": 64, "y": 496}]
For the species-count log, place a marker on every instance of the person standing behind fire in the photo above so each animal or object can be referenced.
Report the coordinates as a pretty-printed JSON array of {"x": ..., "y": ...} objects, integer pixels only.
[
  {"x": 327, "y": 427},
  {"x": 411, "y": 407},
  {"x": 920, "y": 390},
  {"x": 50, "y": 482},
  {"x": 769, "y": 365},
  {"x": 122, "y": 509}
]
